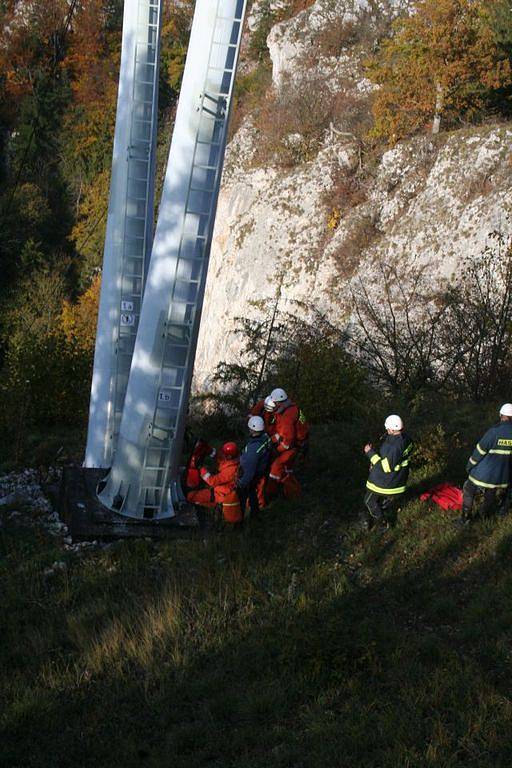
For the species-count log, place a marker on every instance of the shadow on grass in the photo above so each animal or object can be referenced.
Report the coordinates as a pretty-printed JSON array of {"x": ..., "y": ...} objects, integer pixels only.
[
  {"x": 411, "y": 669},
  {"x": 298, "y": 644}
]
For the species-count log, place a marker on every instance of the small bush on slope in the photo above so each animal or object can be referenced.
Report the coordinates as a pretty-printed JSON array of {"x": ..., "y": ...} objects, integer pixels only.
[{"x": 306, "y": 357}]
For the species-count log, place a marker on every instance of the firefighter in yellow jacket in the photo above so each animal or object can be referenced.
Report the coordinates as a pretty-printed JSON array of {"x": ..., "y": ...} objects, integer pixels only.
[{"x": 389, "y": 472}]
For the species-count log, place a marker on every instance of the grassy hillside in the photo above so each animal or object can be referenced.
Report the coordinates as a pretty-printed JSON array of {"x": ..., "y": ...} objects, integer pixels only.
[{"x": 298, "y": 642}]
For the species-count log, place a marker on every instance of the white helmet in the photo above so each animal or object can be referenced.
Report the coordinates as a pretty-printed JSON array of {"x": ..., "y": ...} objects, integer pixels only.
[
  {"x": 256, "y": 424},
  {"x": 269, "y": 405},
  {"x": 278, "y": 395},
  {"x": 394, "y": 422},
  {"x": 506, "y": 410}
]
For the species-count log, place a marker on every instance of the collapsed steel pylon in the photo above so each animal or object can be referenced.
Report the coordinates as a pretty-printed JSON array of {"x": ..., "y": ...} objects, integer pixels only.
[{"x": 148, "y": 326}]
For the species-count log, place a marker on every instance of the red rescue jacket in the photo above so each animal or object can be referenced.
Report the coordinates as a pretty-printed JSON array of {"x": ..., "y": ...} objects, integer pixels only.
[
  {"x": 199, "y": 453},
  {"x": 285, "y": 435},
  {"x": 225, "y": 480}
]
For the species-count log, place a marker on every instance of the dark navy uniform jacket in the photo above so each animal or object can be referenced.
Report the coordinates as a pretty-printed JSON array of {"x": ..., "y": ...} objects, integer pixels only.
[
  {"x": 255, "y": 459},
  {"x": 390, "y": 466},
  {"x": 489, "y": 464}
]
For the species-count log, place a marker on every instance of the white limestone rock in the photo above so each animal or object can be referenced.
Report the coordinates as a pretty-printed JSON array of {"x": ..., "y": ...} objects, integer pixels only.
[
  {"x": 24, "y": 490},
  {"x": 436, "y": 201},
  {"x": 259, "y": 7},
  {"x": 290, "y": 41}
]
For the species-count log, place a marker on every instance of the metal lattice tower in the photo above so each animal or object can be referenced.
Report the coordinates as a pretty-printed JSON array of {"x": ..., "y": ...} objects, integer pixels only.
[{"x": 142, "y": 480}]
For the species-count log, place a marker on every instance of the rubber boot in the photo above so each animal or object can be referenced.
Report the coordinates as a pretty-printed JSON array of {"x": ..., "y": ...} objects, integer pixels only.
[
  {"x": 464, "y": 519},
  {"x": 272, "y": 489},
  {"x": 366, "y": 522},
  {"x": 504, "y": 507}
]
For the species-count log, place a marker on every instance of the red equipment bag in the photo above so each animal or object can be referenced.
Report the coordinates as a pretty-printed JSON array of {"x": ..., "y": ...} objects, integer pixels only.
[{"x": 445, "y": 495}]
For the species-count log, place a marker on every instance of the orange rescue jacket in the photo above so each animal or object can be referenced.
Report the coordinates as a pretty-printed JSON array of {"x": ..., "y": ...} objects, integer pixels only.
[
  {"x": 225, "y": 480},
  {"x": 285, "y": 434}
]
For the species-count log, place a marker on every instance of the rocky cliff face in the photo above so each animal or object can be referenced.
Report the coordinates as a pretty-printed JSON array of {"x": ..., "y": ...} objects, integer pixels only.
[{"x": 432, "y": 200}]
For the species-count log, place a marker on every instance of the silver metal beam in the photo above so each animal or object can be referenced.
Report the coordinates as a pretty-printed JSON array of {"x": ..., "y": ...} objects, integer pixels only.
[
  {"x": 129, "y": 234},
  {"x": 151, "y": 434}
]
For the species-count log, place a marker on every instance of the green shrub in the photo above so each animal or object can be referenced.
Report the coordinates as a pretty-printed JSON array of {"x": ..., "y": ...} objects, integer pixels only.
[
  {"x": 258, "y": 43},
  {"x": 432, "y": 446},
  {"x": 249, "y": 93},
  {"x": 46, "y": 375},
  {"x": 316, "y": 369},
  {"x": 293, "y": 119},
  {"x": 307, "y": 358}
]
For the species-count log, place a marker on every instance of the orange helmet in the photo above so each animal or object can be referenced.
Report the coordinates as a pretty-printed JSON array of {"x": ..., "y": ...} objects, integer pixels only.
[{"x": 230, "y": 450}]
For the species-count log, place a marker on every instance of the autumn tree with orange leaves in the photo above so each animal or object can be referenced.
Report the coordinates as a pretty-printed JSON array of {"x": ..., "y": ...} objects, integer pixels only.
[{"x": 441, "y": 66}]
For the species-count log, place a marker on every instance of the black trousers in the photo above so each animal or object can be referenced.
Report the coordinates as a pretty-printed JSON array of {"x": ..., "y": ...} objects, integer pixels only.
[
  {"x": 380, "y": 509},
  {"x": 506, "y": 502},
  {"x": 249, "y": 494},
  {"x": 469, "y": 491}
]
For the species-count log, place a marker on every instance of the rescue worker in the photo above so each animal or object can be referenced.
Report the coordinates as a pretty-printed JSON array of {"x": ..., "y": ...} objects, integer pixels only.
[
  {"x": 388, "y": 473},
  {"x": 221, "y": 484},
  {"x": 192, "y": 475},
  {"x": 254, "y": 464},
  {"x": 265, "y": 408},
  {"x": 489, "y": 467},
  {"x": 284, "y": 439}
]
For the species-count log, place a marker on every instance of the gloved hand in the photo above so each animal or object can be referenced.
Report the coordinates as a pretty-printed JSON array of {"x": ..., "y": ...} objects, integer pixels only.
[{"x": 200, "y": 452}]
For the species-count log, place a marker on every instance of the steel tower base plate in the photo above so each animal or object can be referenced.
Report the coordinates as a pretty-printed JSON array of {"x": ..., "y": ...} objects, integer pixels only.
[{"x": 88, "y": 519}]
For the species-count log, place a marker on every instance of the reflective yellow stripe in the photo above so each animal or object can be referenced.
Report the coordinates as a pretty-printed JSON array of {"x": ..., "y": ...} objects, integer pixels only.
[
  {"x": 384, "y": 491},
  {"x": 487, "y": 485},
  {"x": 375, "y": 459},
  {"x": 401, "y": 466},
  {"x": 501, "y": 452},
  {"x": 230, "y": 503},
  {"x": 385, "y": 465},
  {"x": 480, "y": 450},
  {"x": 473, "y": 461}
]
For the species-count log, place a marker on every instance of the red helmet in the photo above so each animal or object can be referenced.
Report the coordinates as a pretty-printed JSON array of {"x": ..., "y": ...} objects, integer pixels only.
[{"x": 230, "y": 450}]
